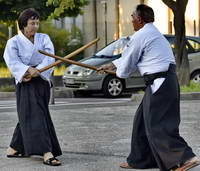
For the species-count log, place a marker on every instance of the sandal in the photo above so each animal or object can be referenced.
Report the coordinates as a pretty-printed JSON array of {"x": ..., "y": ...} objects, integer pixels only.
[
  {"x": 125, "y": 165},
  {"x": 15, "y": 155},
  {"x": 186, "y": 166},
  {"x": 51, "y": 162}
]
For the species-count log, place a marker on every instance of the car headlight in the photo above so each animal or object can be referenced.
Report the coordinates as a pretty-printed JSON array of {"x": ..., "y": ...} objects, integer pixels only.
[
  {"x": 85, "y": 72},
  {"x": 66, "y": 71}
]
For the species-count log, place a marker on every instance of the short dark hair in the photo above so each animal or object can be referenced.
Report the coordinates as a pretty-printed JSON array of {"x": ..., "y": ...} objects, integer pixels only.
[
  {"x": 25, "y": 15},
  {"x": 145, "y": 12}
]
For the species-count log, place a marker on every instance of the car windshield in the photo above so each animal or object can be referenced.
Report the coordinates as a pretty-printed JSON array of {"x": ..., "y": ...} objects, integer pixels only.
[
  {"x": 195, "y": 45},
  {"x": 96, "y": 61},
  {"x": 113, "y": 49}
]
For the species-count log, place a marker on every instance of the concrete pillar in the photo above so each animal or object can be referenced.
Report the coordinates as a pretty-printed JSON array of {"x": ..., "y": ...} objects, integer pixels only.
[
  {"x": 108, "y": 20},
  {"x": 89, "y": 27},
  {"x": 100, "y": 20}
]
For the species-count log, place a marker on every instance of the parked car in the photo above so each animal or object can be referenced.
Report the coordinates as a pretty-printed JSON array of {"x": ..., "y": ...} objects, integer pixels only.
[
  {"x": 79, "y": 78},
  {"x": 193, "y": 50}
]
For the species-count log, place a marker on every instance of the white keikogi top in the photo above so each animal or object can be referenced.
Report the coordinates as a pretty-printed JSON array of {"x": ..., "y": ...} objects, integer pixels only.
[
  {"x": 147, "y": 50},
  {"x": 20, "y": 53}
]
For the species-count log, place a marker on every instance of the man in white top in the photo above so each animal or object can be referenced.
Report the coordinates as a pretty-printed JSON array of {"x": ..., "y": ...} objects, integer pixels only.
[{"x": 155, "y": 138}]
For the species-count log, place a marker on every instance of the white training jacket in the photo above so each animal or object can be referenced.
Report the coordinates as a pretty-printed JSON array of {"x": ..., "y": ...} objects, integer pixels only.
[{"x": 20, "y": 53}]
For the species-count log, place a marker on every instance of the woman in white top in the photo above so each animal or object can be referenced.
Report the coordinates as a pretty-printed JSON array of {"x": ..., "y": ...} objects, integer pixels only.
[{"x": 34, "y": 133}]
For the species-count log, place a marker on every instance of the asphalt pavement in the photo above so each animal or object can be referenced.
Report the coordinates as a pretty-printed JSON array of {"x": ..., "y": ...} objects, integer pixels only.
[{"x": 94, "y": 134}]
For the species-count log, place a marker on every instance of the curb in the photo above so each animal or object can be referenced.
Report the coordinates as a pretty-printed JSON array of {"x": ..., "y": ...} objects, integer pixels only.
[
  {"x": 183, "y": 96},
  {"x": 63, "y": 92},
  {"x": 4, "y": 95},
  {"x": 190, "y": 96},
  {"x": 58, "y": 93}
]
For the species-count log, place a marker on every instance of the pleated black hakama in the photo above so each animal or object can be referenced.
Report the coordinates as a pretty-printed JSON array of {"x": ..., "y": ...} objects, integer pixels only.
[
  {"x": 156, "y": 141},
  {"x": 34, "y": 133}
]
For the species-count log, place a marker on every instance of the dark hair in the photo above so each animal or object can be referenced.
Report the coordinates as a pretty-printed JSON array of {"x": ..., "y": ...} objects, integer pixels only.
[
  {"x": 145, "y": 12},
  {"x": 25, "y": 15}
]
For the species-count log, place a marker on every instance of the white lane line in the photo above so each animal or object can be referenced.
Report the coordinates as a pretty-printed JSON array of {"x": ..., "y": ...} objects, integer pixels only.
[
  {"x": 65, "y": 103},
  {"x": 4, "y": 101},
  {"x": 13, "y": 105},
  {"x": 14, "y": 102},
  {"x": 8, "y": 107},
  {"x": 2, "y": 106},
  {"x": 87, "y": 103}
]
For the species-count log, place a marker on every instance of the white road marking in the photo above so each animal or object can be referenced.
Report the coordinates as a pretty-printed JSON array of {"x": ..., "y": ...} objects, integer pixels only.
[
  {"x": 86, "y": 103},
  {"x": 12, "y": 104}
]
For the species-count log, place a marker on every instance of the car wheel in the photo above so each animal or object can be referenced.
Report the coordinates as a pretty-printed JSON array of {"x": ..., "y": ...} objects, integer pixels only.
[
  {"x": 196, "y": 77},
  {"x": 112, "y": 86}
]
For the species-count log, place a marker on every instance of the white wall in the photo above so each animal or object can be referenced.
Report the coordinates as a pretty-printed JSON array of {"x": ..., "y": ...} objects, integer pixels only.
[
  {"x": 125, "y": 25},
  {"x": 161, "y": 15},
  {"x": 126, "y": 9},
  {"x": 192, "y": 14}
]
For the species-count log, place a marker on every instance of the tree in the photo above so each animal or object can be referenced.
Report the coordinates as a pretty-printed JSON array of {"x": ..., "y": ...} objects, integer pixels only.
[
  {"x": 10, "y": 9},
  {"x": 70, "y": 8},
  {"x": 178, "y": 8}
]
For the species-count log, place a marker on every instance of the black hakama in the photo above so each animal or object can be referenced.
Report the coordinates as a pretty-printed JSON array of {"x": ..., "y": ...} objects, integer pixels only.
[
  {"x": 155, "y": 138},
  {"x": 34, "y": 133}
]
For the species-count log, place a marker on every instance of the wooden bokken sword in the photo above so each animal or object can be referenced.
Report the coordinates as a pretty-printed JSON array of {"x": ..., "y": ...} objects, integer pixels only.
[
  {"x": 67, "y": 57},
  {"x": 70, "y": 55},
  {"x": 74, "y": 62}
]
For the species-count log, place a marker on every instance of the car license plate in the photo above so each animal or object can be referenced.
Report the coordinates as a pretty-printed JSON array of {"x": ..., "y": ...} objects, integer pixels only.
[{"x": 70, "y": 81}]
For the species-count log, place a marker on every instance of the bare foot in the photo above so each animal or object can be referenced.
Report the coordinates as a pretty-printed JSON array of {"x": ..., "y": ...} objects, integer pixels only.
[{"x": 10, "y": 151}]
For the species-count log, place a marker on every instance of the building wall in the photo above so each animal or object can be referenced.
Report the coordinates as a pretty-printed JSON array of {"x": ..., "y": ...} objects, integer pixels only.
[
  {"x": 106, "y": 25},
  {"x": 68, "y": 22},
  {"x": 110, "y": 19},
  {"x": 161, "y": 14},
  {"x": 126, "y": 9},
  {"x": 113, "y": 18},
  {"x": 99, "y": 21},
  {"x": 192, "y": 18}
]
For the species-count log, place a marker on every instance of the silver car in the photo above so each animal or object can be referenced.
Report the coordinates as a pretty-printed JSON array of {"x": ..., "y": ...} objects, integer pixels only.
[
  {"x": 83, "y": 79},
  {"x": 193, "y": 49}
]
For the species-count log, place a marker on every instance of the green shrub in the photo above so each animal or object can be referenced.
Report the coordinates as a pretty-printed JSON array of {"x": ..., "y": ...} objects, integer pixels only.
[
  {"x": 193, "y": 87},
  {"x": 59, "y": 37},
  {"x": 3, "y": 40},
  {"x": 7, "y": 88},
  {"x": 62, "y": 39}
]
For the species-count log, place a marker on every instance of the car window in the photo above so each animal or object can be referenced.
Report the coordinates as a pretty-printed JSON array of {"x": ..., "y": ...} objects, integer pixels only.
[
  {"x": 195, "y": 45},
  {"x": 191, "y": 45},
  {"x": 171, "y": 41},
  {"x": 114, "y": 48}
]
